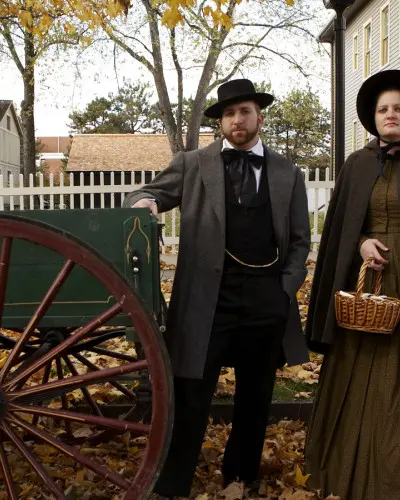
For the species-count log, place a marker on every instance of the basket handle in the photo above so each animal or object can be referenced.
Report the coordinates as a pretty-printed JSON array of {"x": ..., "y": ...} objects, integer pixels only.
[{"x": 361, "y": 279}]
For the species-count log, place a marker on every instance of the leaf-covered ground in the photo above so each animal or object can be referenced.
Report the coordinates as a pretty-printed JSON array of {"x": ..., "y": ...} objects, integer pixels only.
[
  {"x": 282, "y": 461},
  {"x": 282, "y": 464}
]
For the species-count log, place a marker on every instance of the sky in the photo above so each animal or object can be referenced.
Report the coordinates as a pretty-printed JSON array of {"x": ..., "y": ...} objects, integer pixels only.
[{"x": 65, "y": 83}]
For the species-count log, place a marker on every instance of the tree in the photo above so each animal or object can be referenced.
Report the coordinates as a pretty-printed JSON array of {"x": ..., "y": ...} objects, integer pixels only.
[
  {"x": 298, "y": 126},
  {"x": 28, "y": 29},
  {"x": 216, "y": 44},
  {"x": 125, "y": 112}
]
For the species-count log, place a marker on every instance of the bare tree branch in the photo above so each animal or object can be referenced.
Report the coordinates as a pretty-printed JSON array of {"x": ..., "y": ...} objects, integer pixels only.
[
  {"x": 134, "y": 39},
  {"x": 5, "y": 31},
  {"x": 131, "y": 52},
  {"x": 179, "y": 72}
]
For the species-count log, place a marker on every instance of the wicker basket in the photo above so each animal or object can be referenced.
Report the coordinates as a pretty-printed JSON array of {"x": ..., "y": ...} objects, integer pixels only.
[{"x": 367, "y": 313}]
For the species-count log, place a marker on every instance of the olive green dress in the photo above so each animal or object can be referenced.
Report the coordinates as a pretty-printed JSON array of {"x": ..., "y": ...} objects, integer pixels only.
[{"x": 353, "y": 442}]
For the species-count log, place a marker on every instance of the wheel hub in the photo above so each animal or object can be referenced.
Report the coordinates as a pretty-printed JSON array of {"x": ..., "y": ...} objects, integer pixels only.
[{"x": 3, "y": 404}]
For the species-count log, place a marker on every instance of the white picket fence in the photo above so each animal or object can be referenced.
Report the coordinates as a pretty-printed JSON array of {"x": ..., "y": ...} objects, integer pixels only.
[{"x": 66, "y": 193}]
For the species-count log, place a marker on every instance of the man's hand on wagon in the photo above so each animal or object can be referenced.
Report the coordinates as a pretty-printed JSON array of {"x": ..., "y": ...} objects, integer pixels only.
[
  {"x": 147, "y": 203},
  {"x": 371, "y": 248}
]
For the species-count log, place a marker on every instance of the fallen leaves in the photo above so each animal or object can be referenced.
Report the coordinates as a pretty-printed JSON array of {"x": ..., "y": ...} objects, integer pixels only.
[
  {"x": 166, "y": 267},
  {"x": 281, "y": 467}
]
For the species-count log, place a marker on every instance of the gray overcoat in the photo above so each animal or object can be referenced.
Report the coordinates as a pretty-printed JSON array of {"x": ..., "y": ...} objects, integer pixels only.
[{"x": 194, "y": 181}]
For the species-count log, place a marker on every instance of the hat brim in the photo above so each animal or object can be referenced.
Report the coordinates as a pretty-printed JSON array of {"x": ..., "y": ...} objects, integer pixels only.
[
  {"x": 261, "y": 98},
  {"x": 368, "y": 94}
]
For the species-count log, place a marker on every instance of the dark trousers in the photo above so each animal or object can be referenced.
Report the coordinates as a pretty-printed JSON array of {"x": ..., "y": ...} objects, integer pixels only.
[{"x": 242, "y": 337}]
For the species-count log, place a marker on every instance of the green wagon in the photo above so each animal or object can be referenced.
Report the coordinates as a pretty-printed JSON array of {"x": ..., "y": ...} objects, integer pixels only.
[{"x": 85, "y": 384}]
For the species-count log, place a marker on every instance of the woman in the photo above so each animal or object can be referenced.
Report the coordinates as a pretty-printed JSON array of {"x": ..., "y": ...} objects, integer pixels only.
[{"x": 353, "y": 443}]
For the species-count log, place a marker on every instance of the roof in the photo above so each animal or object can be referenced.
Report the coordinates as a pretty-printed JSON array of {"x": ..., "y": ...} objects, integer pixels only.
[
  {"x": 116, "y": 152},
  {"x": 4, "y": 106},
  {"x": 327, "y": 34}
]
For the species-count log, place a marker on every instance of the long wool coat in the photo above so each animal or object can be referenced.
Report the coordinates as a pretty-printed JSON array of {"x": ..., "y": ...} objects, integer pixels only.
[
  {"x": 194, "y": 181},
  {"x": 339, "y": 260}
]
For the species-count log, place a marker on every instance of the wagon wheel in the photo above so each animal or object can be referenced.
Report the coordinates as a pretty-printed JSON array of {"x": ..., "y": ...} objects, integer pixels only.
[
  {"x": 36, "y": 421},
  {"x": 99, "y": 343}
]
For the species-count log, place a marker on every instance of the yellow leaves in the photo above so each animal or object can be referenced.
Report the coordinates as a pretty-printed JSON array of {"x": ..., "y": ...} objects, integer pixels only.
[
  {"x": 38, "y": 16},
  {"x": 172, "y": 17},
  {"x": 3, "y": 358},
  {"x": 114, "y": 9},
  {"x": 219, "y": 17},
  {"x": 80, "y": 476},
  {"x": 301, "y": 479},
  {"x": 45, "y": 23},
  {"x": 26, "y": 18},
  {"x": 69, "y": 29}
]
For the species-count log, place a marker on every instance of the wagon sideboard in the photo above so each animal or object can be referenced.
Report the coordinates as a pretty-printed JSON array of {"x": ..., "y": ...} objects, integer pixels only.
[{"x": 127, "y": 238}]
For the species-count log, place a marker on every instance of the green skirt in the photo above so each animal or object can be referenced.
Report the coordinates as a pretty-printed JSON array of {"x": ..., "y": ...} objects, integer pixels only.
[{"x": 353, "y": 441}]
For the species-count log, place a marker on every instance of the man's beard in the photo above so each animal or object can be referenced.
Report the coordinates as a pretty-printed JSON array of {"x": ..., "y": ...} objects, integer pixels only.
[{"x": 246, "y": 136}]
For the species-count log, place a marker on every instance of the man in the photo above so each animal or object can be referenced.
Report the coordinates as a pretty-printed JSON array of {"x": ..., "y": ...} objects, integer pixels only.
[{"x": 243, "y": 245}]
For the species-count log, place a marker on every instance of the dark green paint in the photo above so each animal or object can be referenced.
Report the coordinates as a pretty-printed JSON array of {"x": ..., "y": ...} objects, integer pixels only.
[{"x": 33, "y": 268}]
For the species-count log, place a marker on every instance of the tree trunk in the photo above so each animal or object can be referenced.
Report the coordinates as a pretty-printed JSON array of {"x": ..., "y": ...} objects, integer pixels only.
[
  {"x": 174, "y": 135},
  {"x": 27, "y": 110},
  {"x": 196, "y": 115}
]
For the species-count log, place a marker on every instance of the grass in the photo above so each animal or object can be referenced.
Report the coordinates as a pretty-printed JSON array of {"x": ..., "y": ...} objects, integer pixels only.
[
  {"x": 321, "y": 220},
  {"x": 168, "y": 223},
  {"x": 286, "y": 390}
]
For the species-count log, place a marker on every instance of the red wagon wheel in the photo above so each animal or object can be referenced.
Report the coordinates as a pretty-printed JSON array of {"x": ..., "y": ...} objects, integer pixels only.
[{"x": 38, "y": 426}]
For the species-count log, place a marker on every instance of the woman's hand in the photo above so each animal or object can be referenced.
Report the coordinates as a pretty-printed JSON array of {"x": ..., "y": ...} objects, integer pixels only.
[{"x": 371, "y": 249}]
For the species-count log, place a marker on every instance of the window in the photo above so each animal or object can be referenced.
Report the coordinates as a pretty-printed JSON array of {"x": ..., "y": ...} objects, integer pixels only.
[
  {"x": 385, "y": 35},
  {"x": 354, "y": 136},
  {"x": 8, "y": 122},
  {"x": 367, "y": 50},
  {"x": 355, "y": 52},
  {"x": 366, "y": 137}
]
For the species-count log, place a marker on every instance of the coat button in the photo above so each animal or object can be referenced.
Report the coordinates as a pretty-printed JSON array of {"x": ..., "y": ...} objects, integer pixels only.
[{"x": 217, "y": 270}]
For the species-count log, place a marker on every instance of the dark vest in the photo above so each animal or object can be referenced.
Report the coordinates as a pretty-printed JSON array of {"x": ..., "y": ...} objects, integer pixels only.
[{"x": 250, "y": 234}]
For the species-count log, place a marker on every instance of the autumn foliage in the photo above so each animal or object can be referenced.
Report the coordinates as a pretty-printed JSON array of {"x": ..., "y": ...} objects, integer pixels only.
[{"x": 38, "y": 16}]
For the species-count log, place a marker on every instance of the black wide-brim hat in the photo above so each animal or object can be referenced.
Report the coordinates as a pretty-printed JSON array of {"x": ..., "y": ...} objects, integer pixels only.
[
  {"x": 237, "y": 91},
  {"x": 368, "y": 96}
]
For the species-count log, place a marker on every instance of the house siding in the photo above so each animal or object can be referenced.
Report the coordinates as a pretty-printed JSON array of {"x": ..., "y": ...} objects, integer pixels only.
[
  {"x": 355, "y": 78},
  {"x": 10, "y": 143}
]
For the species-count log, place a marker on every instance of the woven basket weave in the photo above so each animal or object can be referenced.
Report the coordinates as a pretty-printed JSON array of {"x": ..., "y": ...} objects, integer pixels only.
[{"x": 368, "y": 314}]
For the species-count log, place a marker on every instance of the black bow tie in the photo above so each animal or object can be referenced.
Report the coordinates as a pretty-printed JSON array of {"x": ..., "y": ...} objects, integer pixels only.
[
  {"x": 229, "y": 155},
  {"x": 383, "y": 155},
  {"x": 241, "y": 174}
]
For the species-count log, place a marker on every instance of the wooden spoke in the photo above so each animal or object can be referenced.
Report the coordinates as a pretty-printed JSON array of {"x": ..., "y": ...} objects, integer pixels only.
[
  {"x": 65, "y": 345},
  {"x": 7, "y": 476},
  {"x": 71, "y": 383},
  {"x": 45, "y": 379},
  {"x": 101, "y": 470},
  {"x": 111, "y": 354},
  {"x": 82, "y": 418},
  {"x": 38, "y": 315},
  {"x": 64, "y": 400},
  {"x": 31, "y": 459},
  {"x": 96, "y": 340},
  {"x": 117, "y": 385},
  {"x": 92, "y": 403}
]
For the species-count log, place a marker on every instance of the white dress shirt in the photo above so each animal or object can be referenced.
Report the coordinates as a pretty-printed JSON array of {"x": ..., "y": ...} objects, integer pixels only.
[{"x": 257, "y": 149}]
